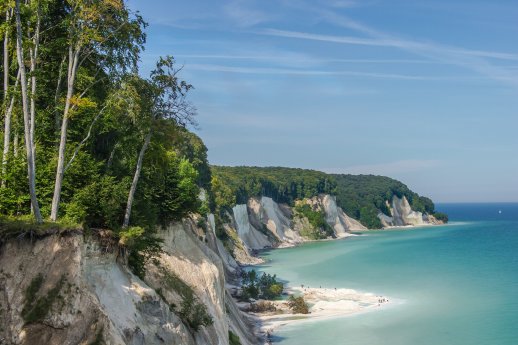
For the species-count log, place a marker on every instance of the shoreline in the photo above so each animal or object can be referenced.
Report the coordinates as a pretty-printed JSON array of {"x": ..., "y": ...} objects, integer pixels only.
[
  {"x": 352, "y": 233},
  {"x": 324, "y": 303}
]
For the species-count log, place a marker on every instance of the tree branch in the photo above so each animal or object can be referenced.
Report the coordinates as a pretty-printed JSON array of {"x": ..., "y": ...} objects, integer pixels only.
[{"x": 76, "y": 151}]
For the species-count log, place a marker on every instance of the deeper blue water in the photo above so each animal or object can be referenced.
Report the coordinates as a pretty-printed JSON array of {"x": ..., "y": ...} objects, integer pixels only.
[{"x": 458, "y": 283}]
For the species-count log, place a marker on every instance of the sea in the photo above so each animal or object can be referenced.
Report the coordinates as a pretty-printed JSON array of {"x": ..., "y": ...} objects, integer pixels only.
[{"x": 455, "y": 284}]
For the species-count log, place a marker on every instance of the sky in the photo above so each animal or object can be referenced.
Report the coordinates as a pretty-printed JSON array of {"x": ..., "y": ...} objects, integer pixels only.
[{"x": 418, "y": 90}]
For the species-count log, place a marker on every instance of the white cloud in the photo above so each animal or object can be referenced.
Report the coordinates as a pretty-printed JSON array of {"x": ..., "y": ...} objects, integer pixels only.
[
  {"x": 244, "y": 15},
  {"x": 480, "y": 61},
  {"x": 286, "y": 71}
]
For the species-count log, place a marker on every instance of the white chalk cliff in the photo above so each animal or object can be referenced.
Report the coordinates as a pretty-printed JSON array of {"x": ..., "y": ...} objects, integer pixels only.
[
  {"x": 264, "y": 223},
  {"x": 82, "y": 294},
  {"x": 401, "y": 214},
  {"x": 335, "y": 216}
]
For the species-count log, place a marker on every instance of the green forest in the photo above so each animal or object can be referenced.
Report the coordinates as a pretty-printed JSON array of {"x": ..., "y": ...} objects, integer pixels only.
[
  {"x": 360, "y": 196},
  {"x": 87, "y": 140}
]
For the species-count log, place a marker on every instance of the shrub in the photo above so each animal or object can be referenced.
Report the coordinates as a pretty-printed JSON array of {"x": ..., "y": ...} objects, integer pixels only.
[
  {"x": 194, "y": 313},
  {"x": 441, "y": 216},
  {"x": 262, "y": 306},
  {"x": 266, "y": 286},
  {"x": 298, "y": 305},
  {"x": 233, "y": 339},
  {"x": 142, "y": 247},
  {"x": 317, "y": 220}
]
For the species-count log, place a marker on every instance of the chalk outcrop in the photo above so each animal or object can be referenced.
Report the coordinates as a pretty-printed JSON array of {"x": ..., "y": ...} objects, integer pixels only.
[
  {"x": 263, "y": 223},
  {"x": 335, "y": 216},
  {"x": 401, "y": 214},
  {"x": 69, "y": 289}
]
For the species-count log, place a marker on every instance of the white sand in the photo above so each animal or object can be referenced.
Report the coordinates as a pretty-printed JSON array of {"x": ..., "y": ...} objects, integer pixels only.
[{"x": 323, "y": 303}]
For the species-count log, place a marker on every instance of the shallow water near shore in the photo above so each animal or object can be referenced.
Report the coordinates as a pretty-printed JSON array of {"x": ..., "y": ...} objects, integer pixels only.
[{"x": 458, "y": 283}]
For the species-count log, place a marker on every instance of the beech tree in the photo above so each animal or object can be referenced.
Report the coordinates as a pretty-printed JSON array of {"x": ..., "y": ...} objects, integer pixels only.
[
  {"x": 164, "y": 97},
  {"x": 29, "y": 138},
  {"x": 6, "y": 104},
  {"x": 95, "y": 27},
  {"x": 120, "y": 151}
]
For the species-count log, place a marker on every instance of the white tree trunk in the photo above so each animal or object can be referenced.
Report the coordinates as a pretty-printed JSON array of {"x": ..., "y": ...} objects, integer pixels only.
[
  {"x": 7, "y": 131},
  {"x": 73, "y": 58},
  {"x": 34, "y": 57},
  {"x": 7, "y": 123},
  {"x": 15, "y": 145},
  {"x": 136, "y": 177},
  {"x": 6, "y": 55},
  {"x": 26, "y": 119},
  {"x": 58, "y": 91}
]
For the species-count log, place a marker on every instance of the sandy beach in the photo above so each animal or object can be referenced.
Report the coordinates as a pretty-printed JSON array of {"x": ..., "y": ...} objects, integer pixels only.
[{"x": 323, "y": 303}]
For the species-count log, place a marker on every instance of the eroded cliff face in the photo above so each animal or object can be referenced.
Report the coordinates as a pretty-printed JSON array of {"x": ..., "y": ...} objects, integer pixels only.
[
  {"x": 68, "y": 289},
  {"x": 335, "y": 216},
  {"x": 403, "y": 215},
  {"x": 263, "y": 223}
]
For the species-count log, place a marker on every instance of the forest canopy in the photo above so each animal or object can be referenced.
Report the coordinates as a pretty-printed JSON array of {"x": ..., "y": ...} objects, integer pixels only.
[
  {"x": 86, "y": 137},
  {"x": 360, "y": 196}
]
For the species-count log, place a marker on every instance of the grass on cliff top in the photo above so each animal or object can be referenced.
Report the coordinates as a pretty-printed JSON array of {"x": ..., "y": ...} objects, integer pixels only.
[{"x": 11, "y": 227}]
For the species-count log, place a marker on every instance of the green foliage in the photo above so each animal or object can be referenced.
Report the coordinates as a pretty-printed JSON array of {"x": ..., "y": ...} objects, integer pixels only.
[
  {"x": 11, "y": 227},
  {"x": 36, "y": 308},
  {"x": 441, "y": 216},
  {"x": 281, "y": 184},
  {"x": 99, "y": 204},
  {"x": 298, "y": 305},
  {"x": 360, "y": 196},
  {"x": 112, "y": 107},
  {"x": 317, "y": 219},
  {"x": 173, "y": 282},
  {"x": 194, "y": 313},
  {"x": 142, "y": 246},
  {"x": 363, "y": 196},
  {"x": 233, "y": 339},
  {"x": 266, "y": 286}
]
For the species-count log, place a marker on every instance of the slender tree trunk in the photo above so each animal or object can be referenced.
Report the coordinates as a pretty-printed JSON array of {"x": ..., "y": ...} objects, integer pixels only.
[
  {"x": 34, "y": 57},
  {"x": 136, "y": 177},
  {"x": 112, "y": 155},
  {"x": 26, "y": 119},
  {"x": 73, "y": 58},
  {"x": 15, "y": 144},
  {"x": 58, "y": 91},
  {"x": 7, "y": 123},
  {"x": 6, "y": 55},
  {"x": 7, "y": 131}
]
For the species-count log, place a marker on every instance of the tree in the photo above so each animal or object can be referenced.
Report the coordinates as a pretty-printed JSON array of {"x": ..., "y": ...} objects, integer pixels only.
[
  {"x": 101, "y": 28},
  {"x": 7, "y": 108},
  {"x": 29, "y": 139},
  {"x": 163, "y": 98}
]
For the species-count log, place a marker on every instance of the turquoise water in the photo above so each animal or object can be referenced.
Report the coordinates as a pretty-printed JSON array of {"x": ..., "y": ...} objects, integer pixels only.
[{"x": 458, "y": 283}]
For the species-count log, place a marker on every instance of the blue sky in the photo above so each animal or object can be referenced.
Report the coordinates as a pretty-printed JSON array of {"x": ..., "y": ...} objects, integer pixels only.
[{"x": 422, "y": 91}]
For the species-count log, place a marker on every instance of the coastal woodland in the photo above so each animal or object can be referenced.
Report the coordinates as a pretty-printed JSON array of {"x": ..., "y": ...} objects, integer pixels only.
[{"x": 360, "y": 196}]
